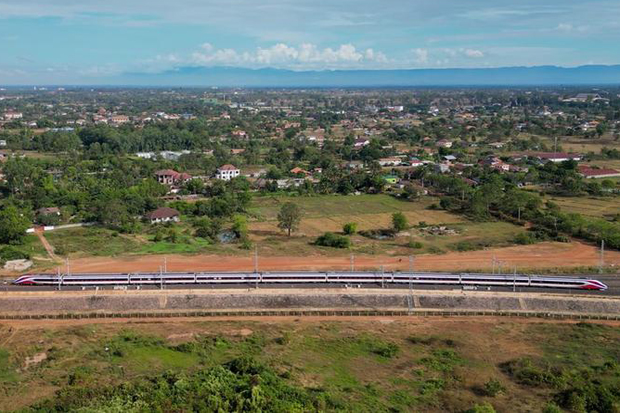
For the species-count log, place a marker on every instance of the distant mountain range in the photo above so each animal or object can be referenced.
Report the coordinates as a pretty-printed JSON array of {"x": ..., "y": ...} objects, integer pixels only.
[{"x": 505, "y": 76}]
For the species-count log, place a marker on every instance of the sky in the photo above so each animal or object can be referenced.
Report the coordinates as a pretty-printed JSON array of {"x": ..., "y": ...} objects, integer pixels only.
[{"x": 79, "y": 41}]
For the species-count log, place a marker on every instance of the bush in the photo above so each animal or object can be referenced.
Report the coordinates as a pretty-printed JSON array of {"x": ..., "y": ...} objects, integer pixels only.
[
  {"x": 349, "y": 228},
  {"x": 415, "y": 245},
  {"x": 399, "y": 222},
  {"x": 493, "y": 387},
  {"x": 525, "y": 238},
  {"x": 330, "y": 239},
  {"x": 481, "y": 408},
  {"x": 10, "y": 253}
]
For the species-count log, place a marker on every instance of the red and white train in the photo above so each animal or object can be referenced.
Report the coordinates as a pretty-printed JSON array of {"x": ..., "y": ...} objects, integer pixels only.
[{"x": 211, "y": 278}]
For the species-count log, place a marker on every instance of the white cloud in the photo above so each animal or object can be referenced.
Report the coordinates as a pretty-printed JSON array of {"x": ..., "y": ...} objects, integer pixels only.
[
  {"x": 473, "y": 53},
  {"x": 281, "y": 55},
  {"x": 421, "y": 56}
]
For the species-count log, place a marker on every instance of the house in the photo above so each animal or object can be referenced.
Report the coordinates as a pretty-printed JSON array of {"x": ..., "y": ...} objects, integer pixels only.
[
  {"x": 240, "y": 134},
  {"x": 48, "y": 211},
  {"x": 163, "y": 214},
  {"x": 237, "y": 151},
  {"x": 227, "y": 172},
  {"x": 172, "y": 177},
  {"x": 442, "y": 168},
  {"x": 443, "y": 143},
  {"x": 589, "y": 172},
  {"x": 415, "y": 162},
  {"x": 145, "y": 155},
  {"x": 391, "y": 161},
  {"x": 557, "y": 156},
  {"x": 11, "y": 115},
  {"x": 391, "y": 179},
  {"x": 2, "y": 142},
  {"x": 119, "y": 119},
  {"x": 361, "y": 142},
  {"x": 297, "y": 170}
]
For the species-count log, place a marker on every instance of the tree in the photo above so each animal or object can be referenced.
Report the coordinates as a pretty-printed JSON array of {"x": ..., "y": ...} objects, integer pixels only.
[
  {"x": 13, "y": 225},
  {"x": 240, "y": 226},
  {"x": 349, "y": 228},
  {"x": 289, "y": 217},
  {"x": 399, "y": 221}
]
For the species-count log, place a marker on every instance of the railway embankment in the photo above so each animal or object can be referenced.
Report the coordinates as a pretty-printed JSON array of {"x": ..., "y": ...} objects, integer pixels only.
[{"x": 211, "y": 302}]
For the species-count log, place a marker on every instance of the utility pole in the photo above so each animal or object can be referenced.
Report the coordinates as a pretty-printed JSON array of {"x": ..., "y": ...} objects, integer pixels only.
[
  {"x": 602, "y": 259},
  {"x": 352, "y": 259},
  {"x": 256, "y": 259},
  {"x": 519, "y": 214},
  {"x": 382, "y": 285},
  {"x": 165, "y": 265},
  {"x": 411, "y": 258},
  {"x": 514, "y": 281},
  {"x": 493, "y": 261}
]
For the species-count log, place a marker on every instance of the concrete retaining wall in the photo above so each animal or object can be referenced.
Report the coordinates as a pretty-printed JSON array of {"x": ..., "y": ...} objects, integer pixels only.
[{"x": 200, "y": 300}]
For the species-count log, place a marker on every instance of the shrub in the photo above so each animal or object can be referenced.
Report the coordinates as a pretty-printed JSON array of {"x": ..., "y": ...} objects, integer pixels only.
[
  {"x": 330, "y": 239},
  {"x": 399, "y": 222},
  {"x": 482, "y": 408},
  {"x": 9, "y": 253},
  {"x": 525, "y": 238},
  {"x": 493, "y": 387},
  {"x": 415, "y": 245},
  {"x": 349, "y": 228}
]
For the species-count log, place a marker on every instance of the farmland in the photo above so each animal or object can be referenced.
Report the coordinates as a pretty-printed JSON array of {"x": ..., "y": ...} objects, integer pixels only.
[
  {"x": 598, "y": 207},
  {"x": 371, "y": 364}
]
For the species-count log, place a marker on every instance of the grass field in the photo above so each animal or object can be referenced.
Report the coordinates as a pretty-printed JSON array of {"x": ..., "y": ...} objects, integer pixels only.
[
  {"x": 362, "y": 365},
  {"x": 321, "y": 214},
  {"x": 599, "y": 207},
  {"x": 331, "y": 212}
]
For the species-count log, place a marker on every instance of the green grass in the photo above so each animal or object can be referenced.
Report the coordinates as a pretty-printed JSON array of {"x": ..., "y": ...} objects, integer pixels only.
[
  {"x": 363, "y": 366},
  {"x": 267, "y": 207},
  {"x": 7, "y": 369},
  {"x": 91, "y": 241},
  {"x": 185, "y": 245},
  {"x": 598, "y": 207}
]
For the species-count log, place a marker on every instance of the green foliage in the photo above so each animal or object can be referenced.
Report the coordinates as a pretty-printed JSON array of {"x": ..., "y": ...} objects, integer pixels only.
[
  {"x": 289, "y": 217},
  {"x": 493, "y": 387},
  {"x": 525, "y": 238},
  {"x": 482, "y": 408},
  {"x": 329, "y": 239},
  {"x": 415, "y": 245},
  {"x": 208, "y": 228},
  {"x": 443, "y": 360},
  {"x": 10, "y": 252},
  {"x": 399, "y": 222},
  {"x": 241, "y": 385},
  {"x": 350, "y": 228},
  {"x": 13, "y": 225}
]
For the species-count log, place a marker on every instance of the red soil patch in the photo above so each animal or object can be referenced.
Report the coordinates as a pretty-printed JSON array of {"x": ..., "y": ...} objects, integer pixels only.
[{"x": 544, "y": 255}]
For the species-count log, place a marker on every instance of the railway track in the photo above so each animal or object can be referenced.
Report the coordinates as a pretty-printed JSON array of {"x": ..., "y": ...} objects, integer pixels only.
[{"x": 419, "y": 280}]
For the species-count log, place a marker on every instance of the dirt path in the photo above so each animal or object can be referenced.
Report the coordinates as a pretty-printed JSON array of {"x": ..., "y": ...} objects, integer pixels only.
[
  {"x": 48, "y": 247},
  {"x": 544, "y": 255}
]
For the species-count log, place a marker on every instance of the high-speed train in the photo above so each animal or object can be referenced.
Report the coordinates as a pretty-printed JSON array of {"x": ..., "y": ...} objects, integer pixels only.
[{"x": 349, "y": 278}]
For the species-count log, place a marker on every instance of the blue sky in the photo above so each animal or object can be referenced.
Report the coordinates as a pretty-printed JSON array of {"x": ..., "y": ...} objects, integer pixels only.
[{"x": 76, "y": 41}]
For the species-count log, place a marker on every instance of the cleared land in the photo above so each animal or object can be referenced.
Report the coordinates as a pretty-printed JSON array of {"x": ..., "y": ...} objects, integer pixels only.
[
  {"x": 369, "y": 364},
  {"x": 466, "y": 246},
  {"x": 547, "y": 256},
  {"x": 598, "y": 207}
]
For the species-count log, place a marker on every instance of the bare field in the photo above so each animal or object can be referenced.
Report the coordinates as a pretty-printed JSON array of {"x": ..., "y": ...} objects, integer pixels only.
[{"x": 539, "y": 256}]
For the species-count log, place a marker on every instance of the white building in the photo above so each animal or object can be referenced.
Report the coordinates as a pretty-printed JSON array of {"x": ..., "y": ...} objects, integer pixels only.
[{"x": 227, "y": 172}]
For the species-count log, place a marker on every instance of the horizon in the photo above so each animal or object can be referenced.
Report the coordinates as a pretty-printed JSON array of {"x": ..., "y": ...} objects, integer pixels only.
[{"x": 64, "y": 42}]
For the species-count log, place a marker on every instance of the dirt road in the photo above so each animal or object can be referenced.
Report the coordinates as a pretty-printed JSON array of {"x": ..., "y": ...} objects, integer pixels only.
[{"x": 544, "y": 255}]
